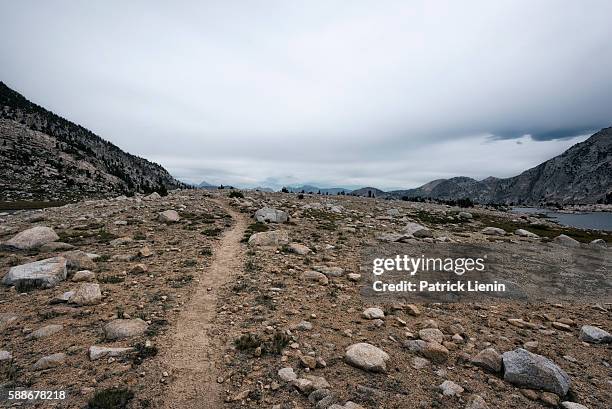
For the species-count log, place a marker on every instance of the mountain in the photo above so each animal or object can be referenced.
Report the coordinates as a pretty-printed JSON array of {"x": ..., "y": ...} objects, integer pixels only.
[
  {"x": 46, "y": 157},
  {"x": 205, "y": 185},
  {"x": 315, "y": 189},
  {"x": 582, "y": 175},
  {"x": 369, "y": 192}
]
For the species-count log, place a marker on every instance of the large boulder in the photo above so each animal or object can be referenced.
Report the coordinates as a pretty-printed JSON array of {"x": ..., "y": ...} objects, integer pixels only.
[
  {"x": 367, "y": 357},
  {"x": 533, "y": 371},
  {"x": 44, "y": 273},
  {"x": 268, "y": 214},
  {"x": 273, "y": 238},
  {"x": 33, "y": 238},
  {"x": 594, "y": 335},
  {"x": 120, "y": 329},
  {"x": 598, "y": 243}
]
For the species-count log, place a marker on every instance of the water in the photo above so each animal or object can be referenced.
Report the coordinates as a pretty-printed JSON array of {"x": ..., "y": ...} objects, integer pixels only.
[{"x": 590, "y": 220}]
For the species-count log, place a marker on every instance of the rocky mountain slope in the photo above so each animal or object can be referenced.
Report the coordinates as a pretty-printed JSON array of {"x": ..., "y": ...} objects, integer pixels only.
[
  {"x": 582, "y": 174},
  {"x": 46, "y": 157}
]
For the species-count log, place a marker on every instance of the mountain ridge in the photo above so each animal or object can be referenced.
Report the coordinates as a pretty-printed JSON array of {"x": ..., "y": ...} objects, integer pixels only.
[{"x": 47, "y": 157}]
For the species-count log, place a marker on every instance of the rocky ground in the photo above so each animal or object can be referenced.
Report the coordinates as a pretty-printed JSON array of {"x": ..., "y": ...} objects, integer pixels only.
[{"x": 291, "y": 326}]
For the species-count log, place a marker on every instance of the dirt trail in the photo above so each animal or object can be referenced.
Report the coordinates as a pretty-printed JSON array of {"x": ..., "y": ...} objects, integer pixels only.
[{"x": 193, "y": 350}]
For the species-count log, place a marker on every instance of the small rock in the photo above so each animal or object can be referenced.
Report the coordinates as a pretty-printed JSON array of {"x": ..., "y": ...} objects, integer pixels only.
[
  {"x": 431, "y": 335},
  {"x": 594, "y": 335},
  {"x": 489, "y": 360},
  {"x": 450, "y": 388},
  {"x": 49, "y": 361},
  {"x": 373, "y": 313},
  {"x": 493, "y": 231},
  {"x": 124, "y": 328},
  {"x": 97, "y": 352},
  {"x": 169, "y": 216},
  {"x": 86, "y": 294},
  {"x": 367, "y": 357},
  {"x": 566, "y": 241},
  {"x": 84, "y": 275},
  {"x": 45, "y": 331},
  {"x": 287, "y": 374}
]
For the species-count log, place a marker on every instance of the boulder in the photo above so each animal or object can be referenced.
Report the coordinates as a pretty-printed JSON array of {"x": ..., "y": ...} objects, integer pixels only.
[
  {"x": 120, "y": 328},
  {"x": 49, "y": 361},
  {"x": 493, "y": 231},
  {"x": 594, "y": 335},
  {"x": 566, "y": 241},
  {"x": 273, "y": 238},
  {"x": 169, "y": 216},
  {"x": 367, "y": 357},
  {"x": 268, "y": 214},
  {"x": 86, "y": 294},
  {"x": 465, "y": 215},
  {"x": 43, "y": 274},
  {"x": 153, "y": 196},
  {"x": 97, "y": 352},
  {"x": 33, "y": 238},
  {"x": 528, "y": 370}
]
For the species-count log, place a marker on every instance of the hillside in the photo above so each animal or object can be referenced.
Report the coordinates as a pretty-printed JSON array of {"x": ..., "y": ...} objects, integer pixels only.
[
  {"x": 582, "y": 174},
  {"x": 46, "y": 157}
]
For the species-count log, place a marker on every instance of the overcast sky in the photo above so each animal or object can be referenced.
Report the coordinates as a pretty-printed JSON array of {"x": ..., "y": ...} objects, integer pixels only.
[{"x": 335, "y": 93}]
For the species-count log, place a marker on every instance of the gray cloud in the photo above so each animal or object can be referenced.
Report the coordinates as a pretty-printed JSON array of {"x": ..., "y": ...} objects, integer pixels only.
[{"x": 333, "y": 93}]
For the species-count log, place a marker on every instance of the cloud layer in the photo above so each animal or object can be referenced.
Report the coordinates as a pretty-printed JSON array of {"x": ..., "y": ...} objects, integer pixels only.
[{"x": 334, "y": 93}]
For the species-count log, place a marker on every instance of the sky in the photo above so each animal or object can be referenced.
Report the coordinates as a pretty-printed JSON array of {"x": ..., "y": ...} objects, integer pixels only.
[{"x": 346, "y": 93}]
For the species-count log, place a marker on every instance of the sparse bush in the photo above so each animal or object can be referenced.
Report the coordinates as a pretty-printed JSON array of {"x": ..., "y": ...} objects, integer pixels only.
[
  {"x": 236, "y": 194},
  {"x": 110, "y": 399}
]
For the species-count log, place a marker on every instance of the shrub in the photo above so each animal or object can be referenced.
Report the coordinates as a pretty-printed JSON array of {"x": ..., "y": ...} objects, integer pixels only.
[
  {"x": 110, "y": 399},
  {"x": 236, "y": 194}
]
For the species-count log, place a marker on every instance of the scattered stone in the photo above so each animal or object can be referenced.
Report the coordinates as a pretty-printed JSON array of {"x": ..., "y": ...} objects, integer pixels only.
[
  {"x": 84, "y": 275},
  {"x": 411, "y": 228},
  {"x": 373, "y": 313},
  {"x": 566, "y": 241},
  {"x": 354, "y": 277},
  {"x": 45, "y": 331},
  {"x": 465, "y": 215},
  {"x": 33, "y": 238},
  {"x": 572, "y": 405},
  {"x": 169, "y": 216},
  {"x": 420, "y": 363},
  {"x": 42, "y": 274},
  {"x": 124, "y": 328},
  {"x": 488, "y": 359},
  {"x": 525, "y": 369},
  {"x": 304, "y": 326},
  {"x": 308, "y": 361},
  {"x": 594, "y": 335},
  {"x": 525, "y": 233},
  {"x": 476, "y": 402},
  {"x": 270, "y": 215},
  {"x": 450, "y": 388},
  {"x": 145, "y": 252},
  {"x": 300, "y": 249},
  {"x": 97, "y": 352},
  {"x": 312, "y": 275},
  {"x": 273, "y": 238},
  {"x": 550, "y": 399},
  {"x": 78, "y": 260},
  {"x": 330, "y": 271},
  {"x": 413, "y": 310},
  {"x": 49, "y": 361},
  {"x": 87, "y": 294},
  {"x": 121, "y": 241},
  {"x": 287, "y": 374},
  {"x": 493, "y": 231},
  {"x": 431, "y": 335},
  {"x": 599, "y": 243},
  {"x": 436, "y": 352},
  {"x": 367, "y": 357},
  {"x": 55, "y": 246},
  {"x": 139, "y": 269}
]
